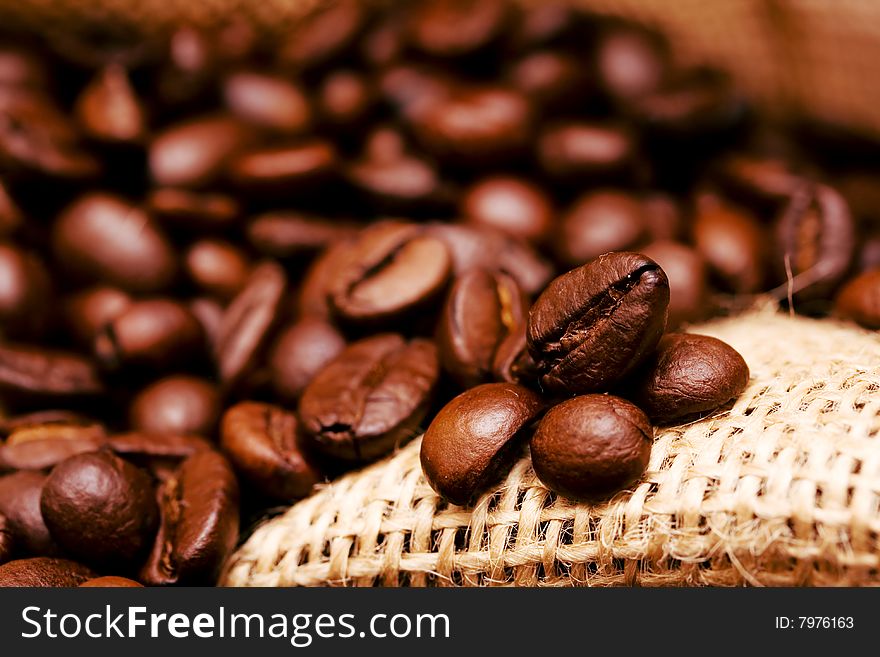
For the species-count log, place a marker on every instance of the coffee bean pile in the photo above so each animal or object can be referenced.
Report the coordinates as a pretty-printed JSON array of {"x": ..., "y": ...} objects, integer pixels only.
[{"x": 233, "y": 267}]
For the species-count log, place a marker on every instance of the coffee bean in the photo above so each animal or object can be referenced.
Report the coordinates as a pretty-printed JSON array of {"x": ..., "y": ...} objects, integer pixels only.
[
  {"x": 102, "y": 238},
  {"x": 869, "y": 254},
  {"x": 268, "y": 101},
  {"x": 763, "y": 182},
  {"x": 393, "y": 270},
  {"x": 285, "y": 170},
  {"x": 593, "y": 325},
  {"x": 216, "y": 267},
  {"x": 453, "y": 28},
  {"x": 176, "y": 404},
  {"x": 87, "y": 311},
  {"x": 414, "y": 90},
  {"x": 345, "y": 99},
  {"x": 599, "y": 222},
  {"x": 154, "y": 334},
  {"x": 27, "y": 421},
  {"x": 689, "y": 375},
  {"x": 25, "y": 293},
  {"x": 553, "y": 80},
  {"x": 664, "y": 217},
  {"x": 476, "y": 437},
  {"x": 45, "y": 445},
  {"x": 631, "y": 62},
  {"x": 312, "y": 298},
  {"x": 859, "y": 299},
  {"x": 402, "y": 183},
  {"x": 482, "y": 308},
  {"x": 300, "y": 351},
  {"x": 247, "y": 322},
  {"x": 108, "y": 109},
  {"x": 512, "y": 362},
  {"x": 199, "y": 523},
  {"x": 384, "y": 42},
  {"x": 294, "y": 234},
  {"x": 209, "y": 312},
  {"x": 110, "y": 581},
  {"x": 100, "y": 508},
  {"x": 159, "y": 453},
  {"x": 44, "y": 572},
  {"x": 512, "y": 205},
  {"x": 591, "y": 446},
  {"x": 579, "y": 152},
  {"x": 196, "y": 211},
  {"x": 34, "y": 371},
  {"x": 7, "y": 541},
  {"x": 20, "y": 494},
  {"x": 265, "y": 444},
  {"x": 688, "y": 281},
  {"x": 322, "y": 35},
  {"x": 11, "y": 218},
  {"x": 816, "y": 234},
  {"x": 22, "y": 69},
  {"x": 194, "y": 154},
  {"x": 545, "y": 23},
  {"x": 371, "y": 397}
]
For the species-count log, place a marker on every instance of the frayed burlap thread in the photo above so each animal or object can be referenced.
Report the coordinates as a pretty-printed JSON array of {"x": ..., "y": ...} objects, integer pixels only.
[{"x": 780, "y": 488}]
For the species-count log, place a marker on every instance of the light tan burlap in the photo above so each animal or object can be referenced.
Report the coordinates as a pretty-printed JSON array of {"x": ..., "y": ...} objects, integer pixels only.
[{"x": 783, "y": 488}]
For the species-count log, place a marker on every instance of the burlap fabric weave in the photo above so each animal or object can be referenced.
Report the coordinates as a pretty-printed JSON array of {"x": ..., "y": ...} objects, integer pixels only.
[{"x": 781, "y": 488}]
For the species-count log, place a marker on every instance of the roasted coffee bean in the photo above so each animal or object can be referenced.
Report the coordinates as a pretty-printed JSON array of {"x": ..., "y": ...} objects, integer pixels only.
[
  {"x": 22, "y": 69},
  {"x": 108, "y": 109},
  {"x": 7, "y": 541},
  {"x": 294, "y": 234},
  {"x": 102, "y": 238},
  {"x": 583, "y": 152},
  {"x": 384, "y": 42},
  {"x": 154, "y": 334},
  {"x": 454, "y": 28},
  {"x": 299, "y": 353},
  {"x": 11, "y": 218},
  {"x": 512, "y": 205},
  {"x": 345, "y": 99},
  {"x": 265, "y": 444},
  {"x": 197, "y": 211},
  {"x": 284, "y": 170},
  {"x": 476, "y": 127},
  {"x": 763, "y": 182},
  {"x": 195, "y": 153},
  {"x": 816, "y": 236},
  {"x": 553, "y": 80},
  {"x": 596, "y": 323},
  {"x": 199, "y": 523},
  {"x": 45, "y": 445},
  {"x": 160, "y": 453},
  {"x": 100, "y": 508},
  {"x": 512, "y": 362},
  {"x": 664, "y": 217},
  {"x": 311, "y": 298},
  {"x": 476, "y": 437},
  {"x": 413, "y": 90},
  {"x": 111, "y": 581},
  {"x": 322, "y": 35},
  {"x": 176, "y": 404},
  {"x": 20, "y": 494},
  {"x": 545, "y": 23},
  {"x": 481, "y": 310},
  {"x": 869, "y": 254},
  {"x": 247, "y": 322},
  {"x": 371, "y": 397},
  {"x": 44, "y": 572},
  {"x": 401, "y": 183},
  {"x": 688, "y": 281},
  {"x": 689, "y": 375},
  {"x": 25, "y": 293},
  {"x": 599, "y": 222},
  {"x": 859, "y": 300},
  {"x": 591, "y": 446},
  {"x": 268, "y": 101},
  {"x": 631, "y": 62},
  {"x": 27, "y": 421},
  {"x": 34, "y": 371},
  {"x": 732, "y": 243},
  {"x": 393, "y": 270},
  {"x": 87, "y": 311},
  {"x": 216, "y": 267}
]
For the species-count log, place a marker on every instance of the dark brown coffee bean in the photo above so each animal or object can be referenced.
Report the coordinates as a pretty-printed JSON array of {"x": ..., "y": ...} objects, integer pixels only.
[
  {"x": 190, "y": 69},
  {"x": 285, "y": 169},
  {"x": 108, "y": 109},
  {"x": 7, "y": 541},
  {"x": 689, "y": 375},
  {"x": 247, "y": 322},
  {"x": 209, "y": 312},
  {"x": 198, "y": 211},
  {"x": 25, "y": 293},
  {"x": 732, "y": 243},
  {"x": 322, "y": 35},
  {"x": 859, "y": 300},
  {"x": 20, "y": 494},
  {"x": 100, "y": 508},
  {"x": 293, "y": 234},
  {"x": 595, "y": 324},
  {"x": 312, "y": 295},
  {"x": 816, "y": 235},
  {"x": 264, "y": 443},
  {"x": 688, "y": 281},
  {"x": 512, "y": 205},
  {"x": 482, "y": 308},
  {"x": 400, "y": 183},
  {"x": 268, "y": 101},
  {"x": 194, "y": 154},
  {"x": 453, "y": 28},
  {"x": 44, "y": 572},
  {"x": 154, "y": 334},
  {"x": 544, "y": 23},
  {"x": 583, "y": 152},
  {"x": 664, "y": 217},
  {"x": 599, "y": 222},
  {"x": 384, "y": 42},
  {"x": 764, "y": 182},
  {"x": 45, "y": 445},
  {"x": 476, "y": 127},
  {"x": 177, "y": 404},
  {"x": 371, "y": 397},
  {"x": 591, "y": 446},
  {"x": 345, "y": 99},
  {"x": 473, "y": 247},
  {"x": 393, "y": 270},
  {"x": 476, "y": 437},
  {"x": 299, "y": 353},
  {"x": 553, "y": 80},
  {"x": 111, "y": 581},
  {"x": 869, "y": 254},
  {"x": 11, "y": 217},
  {"x": 512, "y": 362},
  {"x": 33, "y": 371},
  {"x": 413, "y": 90},
  {"x": 86, "y": 312},
  {"x": 199, "y": 523},
  {"x": 216, "y": 267},
  {"x": 631, "y": 62},
  {"x": 160, "y": 453},
  {"x": 12, "y": 424},
  {"x": 22, "y": 69},
  {"x": 102, "y": 238}
]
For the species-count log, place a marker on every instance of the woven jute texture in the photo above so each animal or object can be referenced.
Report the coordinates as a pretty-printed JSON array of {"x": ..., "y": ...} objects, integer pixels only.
[{"x": 780, "y": 488}]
